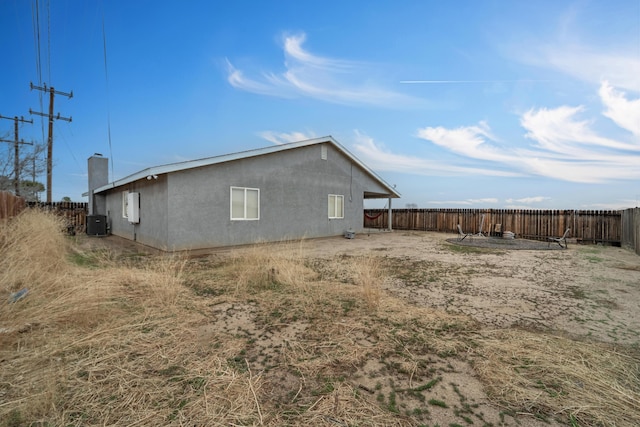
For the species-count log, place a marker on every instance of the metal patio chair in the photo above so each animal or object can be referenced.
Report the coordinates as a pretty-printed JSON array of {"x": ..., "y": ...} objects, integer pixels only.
[
  {"x": 479, "y": 234},
  {"x": 559, "y": 240},
  {"x": 462, "y": 235}
]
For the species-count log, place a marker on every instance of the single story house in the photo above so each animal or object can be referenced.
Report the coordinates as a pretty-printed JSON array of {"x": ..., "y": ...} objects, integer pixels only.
[{"x": 306, "y": 189}]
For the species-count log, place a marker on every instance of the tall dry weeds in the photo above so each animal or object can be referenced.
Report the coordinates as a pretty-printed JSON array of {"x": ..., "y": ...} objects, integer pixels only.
[
  {"x": 109, "y": 343},
  {"x": 368, "y": 276},
  {"x": 32, "y": 248},
  {"x": 108, "y": 340},
  {"x": 263, "y": 267},
  {"x": 584, "y": 383}
]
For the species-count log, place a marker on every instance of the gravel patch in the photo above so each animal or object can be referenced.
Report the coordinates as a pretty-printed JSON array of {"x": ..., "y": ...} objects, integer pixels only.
[{"x": 511, "y": 244}]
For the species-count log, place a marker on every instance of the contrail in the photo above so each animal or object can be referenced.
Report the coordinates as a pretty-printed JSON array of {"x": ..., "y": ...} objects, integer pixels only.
[{"x": 473, "y": 81}]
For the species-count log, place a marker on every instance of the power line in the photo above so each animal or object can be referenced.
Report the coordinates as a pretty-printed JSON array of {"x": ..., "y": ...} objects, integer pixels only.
[
  {"x": 36, "y": 35},
  {"x": 35, "y": 18},
  {"x": 66, "y": 143},
  {"x": 49, "y": 38},
  {"x": 106, "y": 78}
]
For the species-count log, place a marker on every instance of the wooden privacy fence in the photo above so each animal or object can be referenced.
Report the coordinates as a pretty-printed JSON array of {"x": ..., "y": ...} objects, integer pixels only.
[
  {"x": 75, "y": 213},
  {"x": 586, "y": 225},
  {"x": 10, "y": 205},
  {"x": 631, "y": 229}
]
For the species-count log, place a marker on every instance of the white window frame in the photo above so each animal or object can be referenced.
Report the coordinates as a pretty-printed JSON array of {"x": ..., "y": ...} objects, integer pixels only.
[
  {"x": 244, "y": 204},
  {"x": 335, "y": 214},
  {"x": 125, "y": 204}
]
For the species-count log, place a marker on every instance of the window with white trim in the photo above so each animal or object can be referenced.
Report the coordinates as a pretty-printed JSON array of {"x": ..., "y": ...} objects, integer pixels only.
[
  {"x": 125, "y": 204},
  {"x": 245, "y": 203},
  {"x": 336, "y": 206}
]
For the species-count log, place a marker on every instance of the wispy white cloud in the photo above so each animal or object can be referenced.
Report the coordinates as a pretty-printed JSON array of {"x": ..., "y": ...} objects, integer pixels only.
[
  {"x": 510, "y": 206},
  {"x": 376, "y": 156},
  {"x": 559, "y": 130},
  {"x": 468, "y": 141},
  {"x": 569, "y": 148},
  {"x": 621, "y": 68},
  {"x": 521, "y": 203},
  {"x": 294, "y": 50},
  {"x": 565, "y": 52},
  {"x": 563, "y": 147},
  {"x": 623, "y": 112},
  {"x": 528, "y": 200},
  {"x": 574, "y": 49},
  {"x": 327, "y": 79},
  {"x": 466, "y": 202},
  {"x": 238, "y": 80},
  {"x": 590, "y": 172},
  {"x": 280, "y": 138},
  {"x": 620, "y": 205}
]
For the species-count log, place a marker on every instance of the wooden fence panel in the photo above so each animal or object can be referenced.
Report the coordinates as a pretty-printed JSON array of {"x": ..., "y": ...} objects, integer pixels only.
[
  {"x": 588, "y": 226},
  {"x": 10, "y": 205},
  {"x": 631, "y": 229},
  {"x": 75, "y": 213}
]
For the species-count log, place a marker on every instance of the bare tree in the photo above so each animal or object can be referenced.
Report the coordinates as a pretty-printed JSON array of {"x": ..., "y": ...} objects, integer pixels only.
[{"x": 31, "y": 165}]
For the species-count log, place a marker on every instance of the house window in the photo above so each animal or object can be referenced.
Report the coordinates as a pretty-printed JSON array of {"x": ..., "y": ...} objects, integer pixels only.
[
  {"x": 125, "y": 204},
  {"x": 245, "y": 203},
  {"x": 336, "y": 206}
]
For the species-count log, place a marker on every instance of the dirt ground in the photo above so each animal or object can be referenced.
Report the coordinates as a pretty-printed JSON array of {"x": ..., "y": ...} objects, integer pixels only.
[
  {"x": 586, "y": 290},
  {"x": 591, "y": 293}
]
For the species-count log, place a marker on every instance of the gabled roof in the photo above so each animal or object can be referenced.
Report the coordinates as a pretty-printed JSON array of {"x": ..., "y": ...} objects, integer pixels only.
[{"x": 180, "y": 166}]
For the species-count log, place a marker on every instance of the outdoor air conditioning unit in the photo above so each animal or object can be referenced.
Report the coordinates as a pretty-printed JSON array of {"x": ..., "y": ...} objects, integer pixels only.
[
  {"x": 133, "y": 208},
  {"x": 96, "y": 225}
]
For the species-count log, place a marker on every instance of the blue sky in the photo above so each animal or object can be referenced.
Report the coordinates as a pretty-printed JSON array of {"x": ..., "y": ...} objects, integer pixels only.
[{"x": 473, "y": 104}]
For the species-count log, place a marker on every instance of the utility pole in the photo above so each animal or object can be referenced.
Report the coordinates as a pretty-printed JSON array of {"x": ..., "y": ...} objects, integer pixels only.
[
  {"x": 16, "y": 148},
  {"x": 52, "y": 92}
]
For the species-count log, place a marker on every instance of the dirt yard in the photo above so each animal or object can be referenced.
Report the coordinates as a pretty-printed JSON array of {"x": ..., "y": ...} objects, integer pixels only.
[{"x": 587, "y": 293}]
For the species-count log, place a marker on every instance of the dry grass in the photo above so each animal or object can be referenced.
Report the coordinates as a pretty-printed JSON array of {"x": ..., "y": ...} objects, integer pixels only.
[
  {"x": 33, "y": 247},
  {"x": 588, "y": 383},
  {"x": 263, "y": 267},
  {"x": 368, "y": 276},
  {"x": 265, "y": 336},
  {"x": 111, "y": 344}
]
